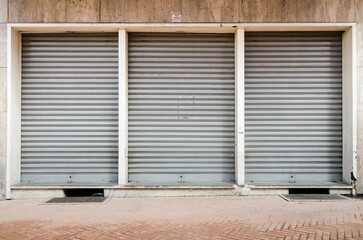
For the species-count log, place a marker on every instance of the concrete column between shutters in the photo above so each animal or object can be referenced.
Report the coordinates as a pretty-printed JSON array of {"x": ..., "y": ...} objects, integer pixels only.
[
  {"x": 239, "y": 107},
  {"x": 123, "y": 108}
]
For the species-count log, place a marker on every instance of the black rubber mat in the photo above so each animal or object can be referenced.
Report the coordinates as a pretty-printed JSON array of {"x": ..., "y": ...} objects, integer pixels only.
[
  {"x": 314, "y": 197},
  {"x": 77, "y": 200},
  {"x": 358, "y": 196}
]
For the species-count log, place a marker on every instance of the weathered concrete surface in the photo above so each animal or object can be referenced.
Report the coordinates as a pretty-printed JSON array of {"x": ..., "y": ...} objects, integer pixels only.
[
  {"x": 327, "y": 10},
  {"x": 112, "y": 11},
  {"x": 141, "y": 10},
  {"x": 3, "y": 94},
  {"x": 211, "y": 11},
  {"x": 3, "y": 54},
  {"x": 2, "y": 177},
  {"x": 83, "y": 11},
  {"x": 3, "y": 11},
  {"x": 359, "y": 91},
  {"x": 192, "y": 10},
  {"x": 37, "y": 11},
  {"x": 48, "y": 11},
  {"x": 3, "y": 129},
  {"x": 264, "y": 217}
]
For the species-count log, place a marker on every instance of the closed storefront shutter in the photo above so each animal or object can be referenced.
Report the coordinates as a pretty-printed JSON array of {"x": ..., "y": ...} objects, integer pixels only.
[
  {"x": 293, "y": 107},
  {"x": 69, "y": 108},
  {"x": 181, "y": 107}
]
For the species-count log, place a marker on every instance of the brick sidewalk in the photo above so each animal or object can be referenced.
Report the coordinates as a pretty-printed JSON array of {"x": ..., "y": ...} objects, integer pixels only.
[{"x": 183, "y": 218}]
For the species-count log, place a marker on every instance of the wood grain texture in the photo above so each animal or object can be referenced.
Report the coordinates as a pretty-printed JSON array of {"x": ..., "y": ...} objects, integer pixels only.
[
  {"x": 83, "y": 10},
  {"x": 112, "y": 11},
  {"x": 43, "y": 11},
  {"x": 211, "y": 11},
  {"x": 150, "y": 10},
  {"x": 327, "y": 10}
]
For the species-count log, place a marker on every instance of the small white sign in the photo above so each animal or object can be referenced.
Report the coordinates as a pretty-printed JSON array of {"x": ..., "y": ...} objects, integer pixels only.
[{"x": 175, "y": 16}]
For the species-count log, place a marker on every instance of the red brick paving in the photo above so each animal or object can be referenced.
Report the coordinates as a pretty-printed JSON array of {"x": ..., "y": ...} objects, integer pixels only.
[{"x": 183, "y": 218}]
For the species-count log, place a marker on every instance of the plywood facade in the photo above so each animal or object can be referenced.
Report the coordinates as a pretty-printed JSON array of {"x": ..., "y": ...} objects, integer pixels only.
[{"x": 193, "y": 11}]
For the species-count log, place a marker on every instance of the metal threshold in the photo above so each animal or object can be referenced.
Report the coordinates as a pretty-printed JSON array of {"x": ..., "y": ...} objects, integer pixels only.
[
  {"x": 184, "y": 185},
  {"x": 68, "y": 184},
  {"x": 29, "y": 186},
  {"x": 181, "y": 185},
  {"x": 130, "y": 186},
  {"x": 178, "y": 184}
]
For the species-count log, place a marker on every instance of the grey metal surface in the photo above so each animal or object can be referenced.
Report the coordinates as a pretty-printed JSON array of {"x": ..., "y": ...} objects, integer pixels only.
[
  {"x": 181, "y": 107},
  {"x": 314, "y": 197},
  {"x": 69, "y": 108},
  {"x": 293, "y": 107},
  {"x": 77, "y": 200}
]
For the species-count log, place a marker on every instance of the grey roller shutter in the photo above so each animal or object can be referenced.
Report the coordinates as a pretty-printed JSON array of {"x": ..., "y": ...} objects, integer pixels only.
[
  {"x": 69, "y": 108},
  {"x": 293, "y": 107},
  {"x": 181, "y": 107}
]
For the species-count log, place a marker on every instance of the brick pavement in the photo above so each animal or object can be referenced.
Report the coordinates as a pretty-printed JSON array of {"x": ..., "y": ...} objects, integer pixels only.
[{"x": 264, "y": 217}]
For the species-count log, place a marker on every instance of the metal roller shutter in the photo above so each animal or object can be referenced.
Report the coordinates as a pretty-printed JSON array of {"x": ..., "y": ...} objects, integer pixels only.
[
  {"x": 181, "y": 107},
  {"x": 69, "y": 108},
  {"x": 293, "y": 107}
]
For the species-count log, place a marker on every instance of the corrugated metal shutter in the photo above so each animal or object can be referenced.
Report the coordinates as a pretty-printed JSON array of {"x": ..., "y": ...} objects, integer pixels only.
[
  {"x": 293, "y": 107},
  {"x": 181, "y": 107},
  {"x": 69, "y": 108}
]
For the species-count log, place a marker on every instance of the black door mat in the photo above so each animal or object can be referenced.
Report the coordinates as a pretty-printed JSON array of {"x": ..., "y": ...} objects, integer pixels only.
[
  {"x": 313, "y": 197},
  {"x": 77, "y": 200},
  {"x": 357, "y": 197}
]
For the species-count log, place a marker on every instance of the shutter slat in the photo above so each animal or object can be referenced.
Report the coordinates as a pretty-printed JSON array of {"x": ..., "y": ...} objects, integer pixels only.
[
  {"x": 69, "y": 108},
  {"x": 293, "y": 107},
  {"x": 181, "y": 107}
]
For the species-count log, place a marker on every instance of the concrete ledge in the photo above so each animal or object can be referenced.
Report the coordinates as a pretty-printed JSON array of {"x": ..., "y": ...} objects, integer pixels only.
[
  {"x": 36, "y": 194},
  {"x": 276, "y": 188},
  {"x": 138, "y": 193},
  {"x": 31, "y": 192},
  {"x": 267, "y": 191},
  {"x": 124, "y": 187},
  {"x": 340, "y": 191},
  {"x": 280, "y": 186},
  {"x": 133, "y": 191}
]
